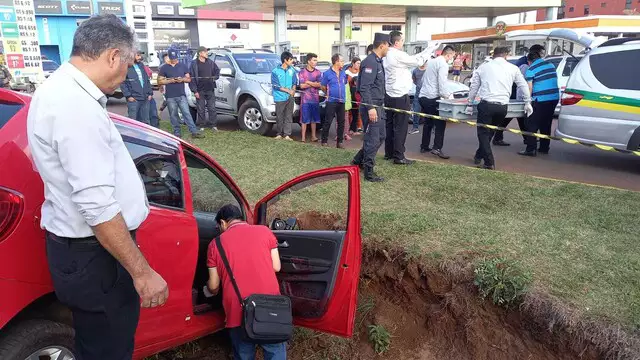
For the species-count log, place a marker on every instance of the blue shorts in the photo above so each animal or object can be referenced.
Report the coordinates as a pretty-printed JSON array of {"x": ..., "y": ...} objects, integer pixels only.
[
  {"x": 456, "y": 72},
  {"x": 310, "y": 113}
]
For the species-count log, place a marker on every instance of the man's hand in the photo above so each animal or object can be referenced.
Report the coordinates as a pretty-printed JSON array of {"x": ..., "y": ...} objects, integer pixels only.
[
  {"x": 178, "y": 80},
  {"x": 373, "y": 115},
  {"x": 150, "y": 97},
  {"x": 197, "y": 95},
  {"x": 292, "y": 92},
  {"x": 131, "y": 99},
  {"x": 469, "y": 110},
  {"x": 528, "y": 109},
  {"x": 152, "y": 289}
]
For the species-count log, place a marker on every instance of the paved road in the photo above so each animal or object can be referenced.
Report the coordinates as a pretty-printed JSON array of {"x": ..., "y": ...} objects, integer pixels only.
[{"x": 565, "y": 161}]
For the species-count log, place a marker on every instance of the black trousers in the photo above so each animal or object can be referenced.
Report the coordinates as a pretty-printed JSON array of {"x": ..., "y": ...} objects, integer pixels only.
[
  {"x": 499, "y": 134},
  {"x": 353, "y": 127},
  {"x": 541, "y": 120},
  {"x": 374, "y": 136},
  {"x": 333, "y": 109},
  {"x": 207, "y": 103},
  {"x": 397, "y": 126},
  {"x": 492, "y": 114},
  {"x": 430, "y": 106},
  {"x": 100, "y": 294}
]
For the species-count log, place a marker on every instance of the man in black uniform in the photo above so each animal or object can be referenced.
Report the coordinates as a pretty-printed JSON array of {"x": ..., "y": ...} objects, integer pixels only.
[{"x": 371, "y": 85}]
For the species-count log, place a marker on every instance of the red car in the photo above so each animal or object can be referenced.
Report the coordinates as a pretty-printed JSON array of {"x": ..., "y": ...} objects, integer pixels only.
[{"x": 320, "y": 268}]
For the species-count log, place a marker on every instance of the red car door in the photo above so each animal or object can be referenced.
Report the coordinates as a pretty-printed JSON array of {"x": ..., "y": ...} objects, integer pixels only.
[{"x": 320, "y": 249}]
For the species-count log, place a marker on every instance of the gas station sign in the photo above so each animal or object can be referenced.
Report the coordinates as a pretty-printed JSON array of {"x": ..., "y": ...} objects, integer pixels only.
[{"x": 19, "y": 40}]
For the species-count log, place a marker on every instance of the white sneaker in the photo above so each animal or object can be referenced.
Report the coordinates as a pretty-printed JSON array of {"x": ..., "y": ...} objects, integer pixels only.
[
  {"x": 214, "y": 129},
  {"x": 288, "y": 138},
  {"x": 414, "y": 131},
  {"x": 278, "y": 137}
]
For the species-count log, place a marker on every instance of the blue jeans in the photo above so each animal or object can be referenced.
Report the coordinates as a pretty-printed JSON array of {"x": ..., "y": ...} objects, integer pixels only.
[
  {"x": 181, "y": 103},
  {"x": 416, "y": 108},
  {"x": 243, "y": 350},
  {"x": 139, "y": 110},
  {"x": 153, "y": 113}
]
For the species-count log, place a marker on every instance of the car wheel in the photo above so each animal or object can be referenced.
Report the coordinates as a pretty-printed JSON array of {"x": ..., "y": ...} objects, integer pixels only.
[
  {"x": 38, "y": 340},
  {"x": 250, "y": 118}
]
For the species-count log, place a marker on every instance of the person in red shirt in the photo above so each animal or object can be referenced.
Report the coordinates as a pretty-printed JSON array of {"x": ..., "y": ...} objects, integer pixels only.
[{"x": 252, "y": 252}]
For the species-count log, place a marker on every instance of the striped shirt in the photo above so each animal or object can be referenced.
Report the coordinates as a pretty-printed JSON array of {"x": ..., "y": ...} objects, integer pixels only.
[{"x": 545, "y": 81}]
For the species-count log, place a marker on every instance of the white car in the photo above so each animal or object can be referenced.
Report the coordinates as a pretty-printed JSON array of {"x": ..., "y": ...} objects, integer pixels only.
[{"x": 564, "y": 67}]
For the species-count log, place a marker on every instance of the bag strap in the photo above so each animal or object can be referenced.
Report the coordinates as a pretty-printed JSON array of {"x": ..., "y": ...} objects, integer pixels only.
[{"x": 225, "y": 261}]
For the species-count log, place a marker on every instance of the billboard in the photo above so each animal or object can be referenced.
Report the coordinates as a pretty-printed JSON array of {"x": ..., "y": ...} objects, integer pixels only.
[{"x": 19, "y": 39}]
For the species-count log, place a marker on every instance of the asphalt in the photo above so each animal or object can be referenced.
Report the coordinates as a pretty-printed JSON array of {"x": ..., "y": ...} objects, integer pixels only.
[{"x": 575, "y": 163}]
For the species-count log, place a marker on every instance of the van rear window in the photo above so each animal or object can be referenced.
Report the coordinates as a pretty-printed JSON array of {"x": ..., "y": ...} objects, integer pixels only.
[
  {"x": 7, "y": 111},
  {"x": 617, "y": 70}
]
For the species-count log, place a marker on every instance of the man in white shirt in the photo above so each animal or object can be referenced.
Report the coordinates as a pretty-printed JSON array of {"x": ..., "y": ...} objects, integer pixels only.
[
  {"x": 397, "y": 67},
  {"x": 94, "y": 197},
  {"x": 492, "y": 83},
  {"x": 434, "y": 88}
]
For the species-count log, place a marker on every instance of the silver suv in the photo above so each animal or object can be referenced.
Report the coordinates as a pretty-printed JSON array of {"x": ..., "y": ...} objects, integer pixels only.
[{"x": 244, "y": 87}]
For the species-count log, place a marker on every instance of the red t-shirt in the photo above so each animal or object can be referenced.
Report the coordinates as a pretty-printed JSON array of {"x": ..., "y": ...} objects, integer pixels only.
[{"x": 248, "y": 249}]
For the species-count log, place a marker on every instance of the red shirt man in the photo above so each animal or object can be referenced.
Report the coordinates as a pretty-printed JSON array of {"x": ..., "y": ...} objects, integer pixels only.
[{"x": 252, "y": 252}]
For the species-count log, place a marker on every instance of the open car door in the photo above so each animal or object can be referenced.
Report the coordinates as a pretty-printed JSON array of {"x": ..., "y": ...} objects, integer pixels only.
[
  {"x": 316, "y": 219},
  {"x": 588, "y": 41}
]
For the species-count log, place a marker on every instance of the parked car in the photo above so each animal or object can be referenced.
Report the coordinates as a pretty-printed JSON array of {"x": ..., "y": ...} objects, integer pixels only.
[
  {"x": 601, "y": 103},
  {"x": 48, "y": 67},
  {"x": 564, "y": 67},
  {"x": 320, "y": 269}
]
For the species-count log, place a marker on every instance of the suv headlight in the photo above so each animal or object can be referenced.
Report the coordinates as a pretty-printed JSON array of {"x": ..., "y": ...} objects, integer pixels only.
[{"x": 267, "y": 88}]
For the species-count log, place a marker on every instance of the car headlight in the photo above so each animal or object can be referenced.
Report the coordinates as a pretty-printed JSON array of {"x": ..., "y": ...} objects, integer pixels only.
[{"x": 267, "y": 88}]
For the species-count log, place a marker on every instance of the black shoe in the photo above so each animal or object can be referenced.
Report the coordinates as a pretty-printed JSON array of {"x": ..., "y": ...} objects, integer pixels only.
[
  {"x": 404, "y": 161},
  {"x": 440, "y": 154},
  {"x": 371, "y": 176},
  {"x": 528, "y": 153},
  {"x": 355, "y": 163},
  {"x": 545, "y": 152},
  {"x": 487, "y": 167},
  {"x": 477, "y": 161},
  {"x": 501, "y": 143},
  {"x": 197, "y": 135},
  {"x": 387, "y": 157},
  {"x": 424, "y": 150}
]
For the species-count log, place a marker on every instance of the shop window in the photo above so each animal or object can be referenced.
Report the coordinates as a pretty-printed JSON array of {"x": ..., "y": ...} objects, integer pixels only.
[
  {"x": 391, "y": 27},
  {"x": 571, "y": 9},
  {"x": 586, "y": 9}
]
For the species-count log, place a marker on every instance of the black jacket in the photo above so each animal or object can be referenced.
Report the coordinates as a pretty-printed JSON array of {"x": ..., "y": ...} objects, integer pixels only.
[
  {"x": 131, "y": 86},
  {"x": 215, "y": 70},
  {"x": 371, "y": 80}
]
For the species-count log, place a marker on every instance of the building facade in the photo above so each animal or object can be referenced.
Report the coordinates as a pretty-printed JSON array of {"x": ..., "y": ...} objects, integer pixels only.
[
  {"x": 57, "y": 21},
  {"x": 580, "y": 8}
]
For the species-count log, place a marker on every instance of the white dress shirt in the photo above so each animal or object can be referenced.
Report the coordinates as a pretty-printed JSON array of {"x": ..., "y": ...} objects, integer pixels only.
[
  {"x": 88, "y": 174},
  {"x": 435, "y": 78},
  {"x": 493, "y": 82},
  {"x": 397, "y": 68}
]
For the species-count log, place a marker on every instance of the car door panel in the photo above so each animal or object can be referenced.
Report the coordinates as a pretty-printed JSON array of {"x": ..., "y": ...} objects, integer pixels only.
[{"x": 320, "y": 268}]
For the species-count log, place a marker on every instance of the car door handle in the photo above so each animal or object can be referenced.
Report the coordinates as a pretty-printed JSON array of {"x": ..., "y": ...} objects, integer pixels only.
[{"x": 283, "y": 244}]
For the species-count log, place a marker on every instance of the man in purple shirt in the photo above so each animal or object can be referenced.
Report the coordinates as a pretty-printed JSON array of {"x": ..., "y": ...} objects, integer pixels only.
[
  {"x": 334, "y": 84},
  {"x": 309, "y": 79}
]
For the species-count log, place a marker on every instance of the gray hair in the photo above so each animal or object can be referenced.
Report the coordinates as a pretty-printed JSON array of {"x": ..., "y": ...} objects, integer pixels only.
[{"x": 101, "y": 33}]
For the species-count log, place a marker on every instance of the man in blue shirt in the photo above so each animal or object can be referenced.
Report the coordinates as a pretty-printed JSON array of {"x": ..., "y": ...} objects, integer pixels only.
[
  {"x": 174, "y": 75},
  {"x": 334, "y": 85},
  {"x": 283, "y": 82},
  {"x": 136, "y": 88},
  {"x": 543, "y": 84}
]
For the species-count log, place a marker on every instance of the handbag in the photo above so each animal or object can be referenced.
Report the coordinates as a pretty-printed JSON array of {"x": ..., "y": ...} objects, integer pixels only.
[{"x": 266, "y": 319}]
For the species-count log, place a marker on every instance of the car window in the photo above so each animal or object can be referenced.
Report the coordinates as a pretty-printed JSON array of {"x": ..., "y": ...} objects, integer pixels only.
[
  {"x": 570, "y": 65},
  {"x": 49, "y": 66},
  {"x": 623, "y": 75},
  {"x": 160, "y": 172},
  {"x": 208, "y": 192},
  {"x": 259, "y": 63},
  {"x": 555, "y": 61},
  {"x": 7, "y": 111},
  {"x": 223, "y": 62}
]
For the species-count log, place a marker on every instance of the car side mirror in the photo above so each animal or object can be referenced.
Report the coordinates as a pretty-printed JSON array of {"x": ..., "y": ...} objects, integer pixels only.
[{"x": 226, "y": 72}]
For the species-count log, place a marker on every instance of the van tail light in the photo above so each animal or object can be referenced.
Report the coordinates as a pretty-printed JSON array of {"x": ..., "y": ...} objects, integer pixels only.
[
  {"x": 569, "y": 98},
  {"x": 11, "y": 208}
]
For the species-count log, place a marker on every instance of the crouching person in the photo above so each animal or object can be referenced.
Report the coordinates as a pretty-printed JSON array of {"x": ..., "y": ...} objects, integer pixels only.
[{"x": 252, "y": 255}]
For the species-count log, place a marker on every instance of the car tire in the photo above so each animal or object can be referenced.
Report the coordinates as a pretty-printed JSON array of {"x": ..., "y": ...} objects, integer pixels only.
[
  {"x": 250, "y": 118},
  {"x": 37, "y": 339}
]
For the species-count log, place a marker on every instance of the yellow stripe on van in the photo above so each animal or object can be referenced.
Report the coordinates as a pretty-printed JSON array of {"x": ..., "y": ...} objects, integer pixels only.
[{"x": 609, "y": 106}]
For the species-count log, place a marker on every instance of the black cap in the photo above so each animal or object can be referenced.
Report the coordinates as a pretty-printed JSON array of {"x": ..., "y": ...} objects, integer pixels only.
[{"x": 380, "y": 37}]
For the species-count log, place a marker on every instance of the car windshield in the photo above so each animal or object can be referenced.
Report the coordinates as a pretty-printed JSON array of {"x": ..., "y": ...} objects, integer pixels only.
[
  {"x": 49, "y": 66},
  {"x": 257, "y": 63}
]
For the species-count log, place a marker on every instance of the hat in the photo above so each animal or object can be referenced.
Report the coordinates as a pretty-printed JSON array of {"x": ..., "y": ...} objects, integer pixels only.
[
  {"x": 380, "y": 37},
  {"x": 173, "y": 54},
  {"x": 202, "y": 48}
]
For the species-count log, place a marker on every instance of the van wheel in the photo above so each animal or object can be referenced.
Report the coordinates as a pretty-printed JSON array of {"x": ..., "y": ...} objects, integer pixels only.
[
  {"x": 38, "y": 340},
  {"x": 250, "y": 118}
]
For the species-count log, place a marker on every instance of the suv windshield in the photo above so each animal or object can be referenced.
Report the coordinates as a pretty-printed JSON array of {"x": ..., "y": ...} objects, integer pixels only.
[{"x": 257, "y": 63}]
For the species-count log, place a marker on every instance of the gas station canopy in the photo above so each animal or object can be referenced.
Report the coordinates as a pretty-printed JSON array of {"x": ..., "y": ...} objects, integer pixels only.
[{"x": 379, "y": 8}]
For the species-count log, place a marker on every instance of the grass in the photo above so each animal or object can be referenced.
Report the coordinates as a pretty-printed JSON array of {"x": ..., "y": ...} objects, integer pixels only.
[{"x": 579, "y": 242}]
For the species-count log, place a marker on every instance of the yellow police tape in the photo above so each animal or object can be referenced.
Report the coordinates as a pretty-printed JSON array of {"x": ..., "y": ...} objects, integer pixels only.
[{"x": 476, "y": 124}]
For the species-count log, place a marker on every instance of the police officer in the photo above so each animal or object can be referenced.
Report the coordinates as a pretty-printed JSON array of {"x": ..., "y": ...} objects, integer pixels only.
[{"x": 372, "y": 90}]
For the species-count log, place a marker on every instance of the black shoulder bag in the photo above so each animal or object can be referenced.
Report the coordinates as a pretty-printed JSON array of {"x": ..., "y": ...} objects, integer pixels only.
[{"x": 266, "y": 319}]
